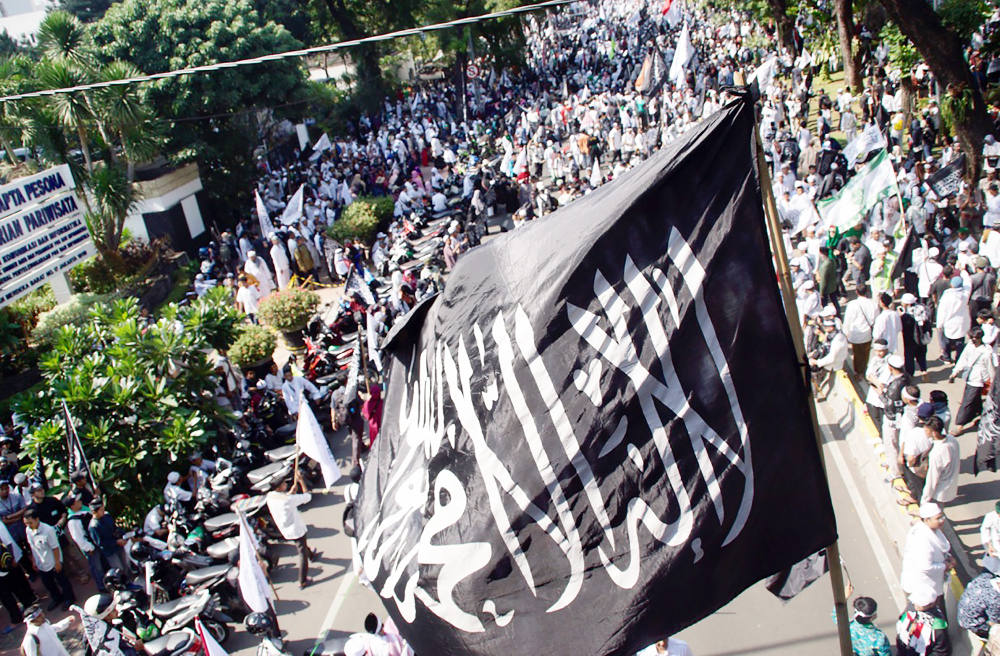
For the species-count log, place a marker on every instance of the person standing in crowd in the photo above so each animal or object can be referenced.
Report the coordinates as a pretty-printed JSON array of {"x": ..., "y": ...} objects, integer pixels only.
[
  {"x": 258, "y": 273},
  {"x": 247, "y": 298},
  {"x": 866, "y": 638},
  {"x": 893, "y": 404},
  {"x": 953, "y": 319},
  {"x": 941, "y": 484},
  {"x": 284, "y": 509},
  {"x": 41, "y": 637},
  {"x": 293, "y": 388},
  {"x": 979, "y": 605},
  {"x": 922, "y": 629},
  {"x": 107, "y": 537},
  {"x": 887, "y": 324},
  {"x": 282, "y": 267},
  {"x": 76, "y": 525},
  {"x": 926, "y": 556},
  {"x": 975, "y": 366},
  {"x": 12, "y": 507},
  {"x": 48, "y": 560},
  {"x": 14, "y": 586},
  {"x": 989, "y": 536},
  {"x": 878, "y": 374},
  {"x": 914, "y": 450},
  {"x": 859, "y": 320},
  {"x": 834, "y": 359},
  {"x": 917, "y": 331}
]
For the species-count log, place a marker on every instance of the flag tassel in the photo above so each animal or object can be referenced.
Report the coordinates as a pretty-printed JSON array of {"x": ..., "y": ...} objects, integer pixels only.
[{"x": 795, "y": 326}]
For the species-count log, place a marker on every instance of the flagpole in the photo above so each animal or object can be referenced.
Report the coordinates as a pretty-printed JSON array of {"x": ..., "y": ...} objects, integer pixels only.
[{"x": 792, "y": 314}]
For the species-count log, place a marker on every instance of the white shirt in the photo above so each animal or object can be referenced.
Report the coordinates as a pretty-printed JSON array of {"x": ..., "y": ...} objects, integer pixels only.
[
  {"x": 877, "y": 370},
  {"x": 292, "y": 390},
  {"x": 989, "y": 535},
  {"x": 7, "y": 539},
  {"x": 942, "y": 471},
  {"x": 923, "y": 560},
  {"x": 279, "y": 258},
  {"x": 78, "y": 532},
  {"x": 974, "y": 365},
  {"x": 928, "y": 271},
  {"x": 837, "y": 355},
  {"x": 887, "y": 327},
  {"x": 859, "y": 319},
  {"x": 175, "y": 493},
  {"x": 273, "y": 381},
  {"x": 153, "y": 521},
  {"x": 284, "y": 509},
  {"x": 439, "y": 202},
  {"x": 43, "y": 542},
  {"x": 953, "y": 313},
  {"x": 367, "y": 644},
  {"x": 914, "y": 441},
  {"x": 48, "y": 642},
  {"x": 249, "y": 298}
]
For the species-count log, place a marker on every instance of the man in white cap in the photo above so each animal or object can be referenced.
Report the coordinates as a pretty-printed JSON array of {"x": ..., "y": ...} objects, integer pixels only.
[
  {"x": 953, "y": 320},
  {"x": 173, "y": 492},
  {"x": 878, "y": 376},
  {"x": 893, "y": 401},
  {"x": 923, "y": 629},
  {"x": 808, "y": 300},
  {"x": 859, "y": 320},
  {"x": 282, "y": 267},
  {"x": 926, "y": 556},
  {"x": 835, "y": 357},
  {"x": 258, "y": 269},
  {"x": 928, "y": 271}
]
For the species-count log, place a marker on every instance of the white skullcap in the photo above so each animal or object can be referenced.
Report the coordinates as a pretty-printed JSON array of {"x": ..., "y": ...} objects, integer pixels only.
[
  {"x": 173, "y": 477},
  {"x": 929, "y": 509}
]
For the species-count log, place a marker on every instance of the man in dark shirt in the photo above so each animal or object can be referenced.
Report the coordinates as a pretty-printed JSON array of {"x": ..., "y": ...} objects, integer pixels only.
[
  {"x": 50, "y": 510},
  {"x": 80, "y": 489},
  {"x": 106, "y": 537}
]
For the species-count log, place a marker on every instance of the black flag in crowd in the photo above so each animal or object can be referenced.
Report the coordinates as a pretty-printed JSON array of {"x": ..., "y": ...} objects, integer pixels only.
[
  {"x": 945, "y": 182},
  {"x": 905, "y": 259},
  {"x": 598, "y": 434}
]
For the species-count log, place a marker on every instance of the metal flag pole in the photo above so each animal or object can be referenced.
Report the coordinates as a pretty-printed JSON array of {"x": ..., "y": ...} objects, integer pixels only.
[{"x": 795, "y": 326}]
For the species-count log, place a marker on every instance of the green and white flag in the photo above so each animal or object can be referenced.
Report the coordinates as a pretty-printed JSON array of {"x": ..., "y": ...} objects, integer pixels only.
[{"x": 875, "y": 181}]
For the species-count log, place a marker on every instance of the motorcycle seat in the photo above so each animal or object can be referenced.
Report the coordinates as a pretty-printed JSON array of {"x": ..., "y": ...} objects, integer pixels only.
[
  {"x": 170, "y": 643},
  {"x": 174, "y": 606},
  {"x": 221, "y": 550},
  {"x": 220, "y": 521},
  {"x": 259, "y": 474},
  {"x": 286, "y": 431},
  {"x": 281, "y": 453},
  {"x": 199, "y": 576}
]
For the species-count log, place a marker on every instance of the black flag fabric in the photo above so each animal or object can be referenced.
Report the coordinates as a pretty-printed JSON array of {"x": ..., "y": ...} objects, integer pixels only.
[
  {"x": 905, "y": 259},
  {"x": 787, "y": 584},
  {"x": 945, "y": 182},
  {"x": 598, "y": 434}
]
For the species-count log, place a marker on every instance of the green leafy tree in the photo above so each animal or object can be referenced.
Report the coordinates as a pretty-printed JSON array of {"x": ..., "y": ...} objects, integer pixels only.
[
  {"x": 210, "y": 117},
  {"x": 142, "y": 396}
]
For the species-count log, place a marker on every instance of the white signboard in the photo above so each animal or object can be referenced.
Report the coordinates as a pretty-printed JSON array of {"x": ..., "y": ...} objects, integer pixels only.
[{"x": 42, "y": 232}]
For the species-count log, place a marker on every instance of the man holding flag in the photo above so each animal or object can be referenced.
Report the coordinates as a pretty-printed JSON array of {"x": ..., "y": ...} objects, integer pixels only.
[{"x": 284, "y": 509}]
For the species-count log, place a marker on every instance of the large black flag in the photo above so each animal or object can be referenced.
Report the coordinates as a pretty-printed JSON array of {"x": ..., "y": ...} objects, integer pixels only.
[{"x": 599, "y": 433}]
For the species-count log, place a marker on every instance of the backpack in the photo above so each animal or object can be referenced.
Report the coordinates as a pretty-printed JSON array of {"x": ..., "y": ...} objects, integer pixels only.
[
  {"x": 7, "y": 562},
  {"x": 923, "y": 329}
]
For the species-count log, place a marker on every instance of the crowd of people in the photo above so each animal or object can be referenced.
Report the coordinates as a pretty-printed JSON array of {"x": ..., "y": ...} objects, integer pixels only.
[{"x": 526, "y": 141}]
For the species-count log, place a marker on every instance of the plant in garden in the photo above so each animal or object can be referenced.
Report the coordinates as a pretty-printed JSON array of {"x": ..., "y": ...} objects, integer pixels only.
[
  {"x": 213, "y": 315},
  {"x": 71, "y": 313},
  {"x": 141, "y": 394},
  {"x": 362, "y": 218},
  {"x": 254, "y": 344},
  {"x": 288, "y": 310}
]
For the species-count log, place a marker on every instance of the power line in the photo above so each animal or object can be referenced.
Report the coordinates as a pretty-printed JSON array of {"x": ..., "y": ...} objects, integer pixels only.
[{"x": 290, "y": 53}]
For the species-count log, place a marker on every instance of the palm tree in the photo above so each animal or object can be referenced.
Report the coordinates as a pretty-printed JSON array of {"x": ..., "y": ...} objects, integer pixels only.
[
  {"x": 12, "y": 120},
  {"x": 114, "y": 198},
  {"x": 122, "y": 111},
  {"x": 62, "y": 36},
  {"x": 71, "y": 109}
]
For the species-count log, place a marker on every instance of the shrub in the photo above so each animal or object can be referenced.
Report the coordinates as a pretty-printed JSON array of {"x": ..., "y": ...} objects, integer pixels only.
[
  {"x": 93, "y": 275},
  {"x": 73, "y": 312},
  {"x": 288, "y": 310},
  {"x": 362, "y": 219},
  {"x": 25, "y": 310},
  {"x": 255, "y": 343}
]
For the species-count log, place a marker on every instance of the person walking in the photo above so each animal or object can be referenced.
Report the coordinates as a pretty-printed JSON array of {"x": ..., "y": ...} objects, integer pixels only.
[
  {"x": 975, "y": 367},
  {"x": 48, "y": 558},
  {"x": 41, "y": 637},
  {"x": 279, "y": 257},
  {"x": 941, "y": 484},
  {"x": 14, "y": 586},
  {"x": 953, "y": 320},
  {"x": 284, "y": 509},
  {"x": 859, "y": 319},
  {"x": 107, "y": 537},
  {"x": 247, "y": 297},
  {"x": 926, "y": 556},
  {"x": 914, "y": 450},
  {"x": 878, "y": 375},
  {"x": 76, "y": 526},
  {"x": 866, "y": 638},
  {"x": 887, "y": 324}
]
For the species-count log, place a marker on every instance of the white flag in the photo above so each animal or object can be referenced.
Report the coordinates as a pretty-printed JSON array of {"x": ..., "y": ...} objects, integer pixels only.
[
  {"x": 293, "y": 211},
  {"x": 254, "y": 588},
  {"x": 872, "y": 183},
  {"x": 595, "y": 175},
  {"x": 309, "y": 436},
  {"x": 321, "y": 145},
  {"x": 871, "y": 138},
  {"x": 764, "y": 73},
  {"x": 674, "y": 13},
  {"x": 208, "y": 643},
  {"x": 682, "y": 55},
  {"x": 266, "y": 227}
]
